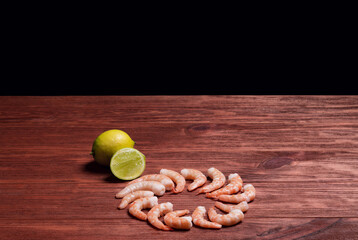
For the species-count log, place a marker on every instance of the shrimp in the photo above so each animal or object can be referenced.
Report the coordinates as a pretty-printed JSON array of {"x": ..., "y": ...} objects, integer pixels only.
[
  {"x": 248, "y": 195},
  {"x": 192, "y": 174},
  {"x": 243, "y": 206},
  {"x": 156, "y": 212},
  {"x": 136, "y": 207},
  {"x": 166, "y": 181},
  {"x": 218, "y": 181},
  {"x": 199, "y": 220},
  {"x": 233, "y": 217},
  {"x": 156, "y": 187},
  {"x": 234, "y": 186},
  {"x": 133, "y": 196},
  {"x": 173, "y": 219},
  {"x": 177, "y": 178}
]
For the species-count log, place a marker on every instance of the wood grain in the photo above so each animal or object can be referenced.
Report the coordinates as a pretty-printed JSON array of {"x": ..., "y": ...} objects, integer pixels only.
[{"x": 300, "y": 152}]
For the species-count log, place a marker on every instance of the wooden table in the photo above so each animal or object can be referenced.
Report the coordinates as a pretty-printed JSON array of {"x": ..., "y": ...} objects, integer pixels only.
[{"x": 300, "y": 152}]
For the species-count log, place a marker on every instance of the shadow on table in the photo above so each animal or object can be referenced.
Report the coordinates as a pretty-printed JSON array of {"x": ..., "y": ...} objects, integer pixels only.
[{"x": 95, "y": 168}]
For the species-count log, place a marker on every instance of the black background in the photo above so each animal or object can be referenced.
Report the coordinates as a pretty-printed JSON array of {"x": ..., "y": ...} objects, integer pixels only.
[{"x": 76, "y": 55}]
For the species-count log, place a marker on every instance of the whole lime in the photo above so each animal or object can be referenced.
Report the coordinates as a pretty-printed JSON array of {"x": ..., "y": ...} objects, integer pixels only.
[{"x": 109, "y": 142}]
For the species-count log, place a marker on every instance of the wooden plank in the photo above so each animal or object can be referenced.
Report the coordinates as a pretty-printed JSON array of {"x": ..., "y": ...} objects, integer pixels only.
[
  {"x": 300, "y": 152},
  {"x": 28, "y": 164},
  {"x": 83, "y": 200},
  {"x": 250, "y": 228}
]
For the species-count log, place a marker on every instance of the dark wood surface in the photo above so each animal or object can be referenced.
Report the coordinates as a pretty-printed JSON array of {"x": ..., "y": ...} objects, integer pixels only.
[{"x": 300, "y": 152}]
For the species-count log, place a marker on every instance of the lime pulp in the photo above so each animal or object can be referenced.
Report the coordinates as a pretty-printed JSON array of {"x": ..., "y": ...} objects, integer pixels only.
[{"x": 127, "y": 163}]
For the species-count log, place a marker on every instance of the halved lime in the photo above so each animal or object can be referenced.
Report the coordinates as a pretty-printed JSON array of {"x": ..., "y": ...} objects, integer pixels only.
[{"x": 127, "y": 163}]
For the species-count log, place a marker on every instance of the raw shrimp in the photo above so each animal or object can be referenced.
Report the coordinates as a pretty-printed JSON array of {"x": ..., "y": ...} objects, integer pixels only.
[
  {"x": 156, "y": 212},
  {"x": 141, "y": 203},
  {"x": 199, "y": 220},
  {"x": 233, "y": 217},
  {"x": 156, "y": 187},
  {"x": 166, "y": 181},
  {"x": 234, "y": 186},
  {"x": 218, "y": 181},
  {"x": 248, "y": 195},
  {"x": 173, "y": 219},
  {"x": 192, "y": 174},
  {"x": 243, "y": 206},
  {"x": 177, "y": 178},
  {"x": 130, "y": 197}
]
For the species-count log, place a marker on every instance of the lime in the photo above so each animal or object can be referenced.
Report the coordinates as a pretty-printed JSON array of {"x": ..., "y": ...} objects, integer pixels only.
[
  {"x": 127, "y": 163},
  {"x": 109, "y": 142}
]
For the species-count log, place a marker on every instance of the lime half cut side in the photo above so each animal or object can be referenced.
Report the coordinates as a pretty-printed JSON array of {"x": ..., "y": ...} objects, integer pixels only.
[{"x": 127, "y": 163}]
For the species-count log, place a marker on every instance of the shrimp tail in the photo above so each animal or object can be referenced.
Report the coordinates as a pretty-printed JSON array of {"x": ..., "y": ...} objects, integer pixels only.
[
  {"x": 201, "y": 190},
  {"x": 212, "y": 196},
  {"x": 166, "y": 228}
]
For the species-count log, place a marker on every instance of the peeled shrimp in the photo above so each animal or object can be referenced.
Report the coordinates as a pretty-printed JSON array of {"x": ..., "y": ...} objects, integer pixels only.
[
  {"x": 156, "y": 187},
  {"x": 130, "y": 197},
  {"x": 243, "y": 206},
  {"x": 199, "y": 220},
  {"x": 218, "y": 181},
  {"x": 177, "y": 178},
  {"x": 234, "y": 186},
  {"x": 166, "y": 181},
  {"x": 173, "y": 219},
  {"x": 192, "y": 174},
  {"x": 141, "y": 203},
  {"x": 248, "y": 195},
  {"x": 156, "y": 212},
  {"x": 233, "y": 217}
]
